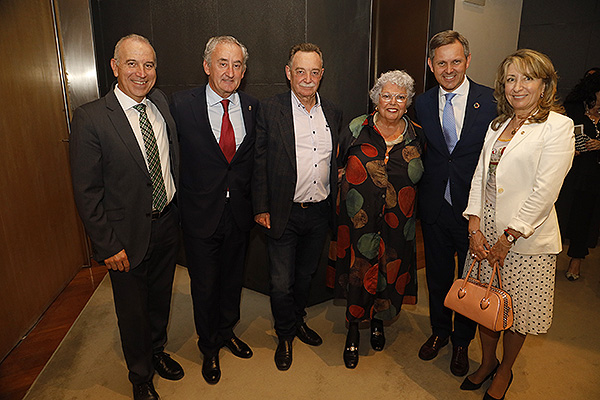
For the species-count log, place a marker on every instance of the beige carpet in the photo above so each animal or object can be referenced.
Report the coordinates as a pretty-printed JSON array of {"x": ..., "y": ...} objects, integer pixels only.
[{"x": 564, "y": 364}]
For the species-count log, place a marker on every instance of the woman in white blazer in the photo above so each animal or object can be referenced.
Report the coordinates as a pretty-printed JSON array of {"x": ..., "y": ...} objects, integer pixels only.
[{"x": 527, "y": 153}]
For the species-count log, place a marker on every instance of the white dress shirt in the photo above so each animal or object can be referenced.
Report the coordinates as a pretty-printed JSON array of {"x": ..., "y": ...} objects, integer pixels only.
[
  {"x": 313, "y": 152},
  {"x": 159, "y": 127},
  {"x": 215, "y": 115},
  {"x": 459, "y": 104}
]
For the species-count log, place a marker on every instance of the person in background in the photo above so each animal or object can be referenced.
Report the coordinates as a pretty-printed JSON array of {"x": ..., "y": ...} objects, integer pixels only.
[
  {"x": 579, "y": 202},
  {"x": 455, "y": 116},
  {"x": 527, "y": 153},
  {"x": 381, "y": 159}
]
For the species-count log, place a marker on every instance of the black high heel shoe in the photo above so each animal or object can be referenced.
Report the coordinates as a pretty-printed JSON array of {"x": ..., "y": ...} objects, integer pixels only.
[
  {"x": 469, "y": 385},
  {"x": 488, "y": 397},
  {"x": 351, "y": 348},
  {"x": 377, "y": 336}
]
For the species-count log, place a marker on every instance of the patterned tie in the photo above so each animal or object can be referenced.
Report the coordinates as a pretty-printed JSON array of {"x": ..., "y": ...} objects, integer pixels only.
[
  {"x": 449, "y": 129},
  {"x": 227, "y": 138},
  {"x": 159, "y": 193}
]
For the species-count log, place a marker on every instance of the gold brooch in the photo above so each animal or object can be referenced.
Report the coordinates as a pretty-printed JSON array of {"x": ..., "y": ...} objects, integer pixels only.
[{"x": 476, "y": 105}]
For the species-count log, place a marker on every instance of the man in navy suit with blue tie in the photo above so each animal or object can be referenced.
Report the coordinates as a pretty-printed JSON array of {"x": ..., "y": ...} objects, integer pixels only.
[
  {"x": 216, "y": 130},
  {"x": 455, "y": 116}
]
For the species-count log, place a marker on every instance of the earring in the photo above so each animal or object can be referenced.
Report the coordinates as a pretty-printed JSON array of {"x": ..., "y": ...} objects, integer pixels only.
[{"x": 542, "y": 95}]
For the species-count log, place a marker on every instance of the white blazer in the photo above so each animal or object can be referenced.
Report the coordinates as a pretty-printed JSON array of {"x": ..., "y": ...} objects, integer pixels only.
[{"x": 528, "y": 181}]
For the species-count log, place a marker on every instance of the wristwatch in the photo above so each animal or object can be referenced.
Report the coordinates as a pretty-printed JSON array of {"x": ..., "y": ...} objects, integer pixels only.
[{"x": 511, "y": 239}]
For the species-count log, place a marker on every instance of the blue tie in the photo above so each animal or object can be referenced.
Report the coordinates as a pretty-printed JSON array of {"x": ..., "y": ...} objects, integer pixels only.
[{"x": 449, "y": 129}]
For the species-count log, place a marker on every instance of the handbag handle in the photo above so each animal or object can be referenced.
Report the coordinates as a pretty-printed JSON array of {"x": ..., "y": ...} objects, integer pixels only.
[{"x": 485, "y": 301}]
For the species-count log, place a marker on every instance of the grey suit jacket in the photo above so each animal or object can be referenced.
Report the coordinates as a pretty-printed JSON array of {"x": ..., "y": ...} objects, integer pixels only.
[
  {"x": 111, "y": 183},
  {"x": 274, "y": 177}
]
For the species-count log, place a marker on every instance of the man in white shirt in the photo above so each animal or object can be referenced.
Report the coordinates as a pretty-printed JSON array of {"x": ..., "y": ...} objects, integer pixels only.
[
  {"x": 455, "y": 116},
  {"x": 294, "y": 190},
  {"x": 124, "y": 166},
  {"x": 215, "y": 123}
]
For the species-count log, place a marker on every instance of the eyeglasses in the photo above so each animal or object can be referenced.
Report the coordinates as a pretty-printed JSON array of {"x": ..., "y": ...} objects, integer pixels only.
[{"x": 387, "y": 97}]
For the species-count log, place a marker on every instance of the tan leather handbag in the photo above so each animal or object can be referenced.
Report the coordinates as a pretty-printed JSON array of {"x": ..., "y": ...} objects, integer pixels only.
[{"x": 485, "y": 304}]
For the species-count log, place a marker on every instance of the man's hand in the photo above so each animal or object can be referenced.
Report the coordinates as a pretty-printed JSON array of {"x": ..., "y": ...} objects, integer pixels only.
[
  {"x": 118, "y": 262},
  {"x": 263, "y": 219}
]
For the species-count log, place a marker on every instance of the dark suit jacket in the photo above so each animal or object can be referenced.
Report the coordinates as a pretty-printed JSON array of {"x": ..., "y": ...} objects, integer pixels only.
[
  {"x": 205, "y": 172},
  {"x": 274, "y": 179},
  {"x": 111, "y": 183},
  {"x": 439, "y": 164}
]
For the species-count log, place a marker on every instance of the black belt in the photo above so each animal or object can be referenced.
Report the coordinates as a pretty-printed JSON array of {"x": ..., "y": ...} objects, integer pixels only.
[
  {"x": 307, "y": 205},
  {"x": 157, "y": 214}
]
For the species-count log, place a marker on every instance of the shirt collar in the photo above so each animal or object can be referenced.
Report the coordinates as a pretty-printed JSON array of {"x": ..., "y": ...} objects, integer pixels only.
[
  {"x": 297, "y": 103},
  {"x": 125, "y": 101},
  {"x": 462, "y": 90},
  {"x": 213, "y": 99}
]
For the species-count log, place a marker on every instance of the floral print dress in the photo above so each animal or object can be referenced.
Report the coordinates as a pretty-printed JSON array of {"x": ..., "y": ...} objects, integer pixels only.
[{"x": 375, "y": 251}]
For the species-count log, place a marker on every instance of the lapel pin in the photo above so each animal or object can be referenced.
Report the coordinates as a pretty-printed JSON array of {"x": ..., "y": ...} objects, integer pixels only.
[
  {"x": 476, "y": 105},
  {"x": 249, "y": 108}
]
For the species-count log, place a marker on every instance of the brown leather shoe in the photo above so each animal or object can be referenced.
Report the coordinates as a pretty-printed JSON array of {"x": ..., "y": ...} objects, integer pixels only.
[
  {"x": 432, "y": 346},
  {"x": 459, "y": 365}
]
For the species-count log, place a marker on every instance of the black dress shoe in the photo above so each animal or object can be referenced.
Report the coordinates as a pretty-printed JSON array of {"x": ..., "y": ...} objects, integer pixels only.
[
  {"x": 308, "y": 336},
  {"x": 487, "y": 396},
  {"x": 351, "y": 348},
  {"x": 377, "y": 336},
  {"x": 459, "y": 364},
  {"x": 211, "y": 370},
  {"x": 283, "y": 354},
  {"x": 167, "y": 367},
  {"x": 238, "y": 348},
  {"x": 469, "y": 385},
  {"x": 432, "y": 346},
  {"x": 144, "y": 391}
]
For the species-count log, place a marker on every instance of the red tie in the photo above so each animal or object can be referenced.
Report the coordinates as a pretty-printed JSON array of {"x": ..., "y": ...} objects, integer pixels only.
[{"x": 227, "y": 139}]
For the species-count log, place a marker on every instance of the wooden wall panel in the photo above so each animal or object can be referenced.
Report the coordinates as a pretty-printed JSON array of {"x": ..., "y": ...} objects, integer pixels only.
[{"x": 41, "y": 241}]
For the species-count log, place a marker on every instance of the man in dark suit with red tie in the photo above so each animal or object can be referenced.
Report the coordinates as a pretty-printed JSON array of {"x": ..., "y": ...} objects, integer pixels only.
[
  {"x": 455, "y": 116},
  {"x": 216, "y": 132}
]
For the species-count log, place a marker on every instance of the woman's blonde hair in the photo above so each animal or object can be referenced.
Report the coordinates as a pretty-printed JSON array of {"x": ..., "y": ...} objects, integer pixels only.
[{"x": 535, "y": 65}]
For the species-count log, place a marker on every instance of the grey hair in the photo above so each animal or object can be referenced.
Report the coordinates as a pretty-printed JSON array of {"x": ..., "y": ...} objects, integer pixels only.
[
  {"x": 133, "y": 36},
  {"x": 215, "y": 40},
  {"x": 397, "y": 77}
]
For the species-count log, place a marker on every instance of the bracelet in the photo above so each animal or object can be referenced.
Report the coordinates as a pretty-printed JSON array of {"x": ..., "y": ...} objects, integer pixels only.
[{"x": 472, "y": 233}]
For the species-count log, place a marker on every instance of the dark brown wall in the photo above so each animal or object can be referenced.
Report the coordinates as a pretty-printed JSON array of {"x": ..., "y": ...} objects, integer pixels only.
[
  {"x": 567, "y": 31},
  {"x": 41, "y": 241},
  {"x": 400, "y": 38},
  {"x": 179, "y": 30}
]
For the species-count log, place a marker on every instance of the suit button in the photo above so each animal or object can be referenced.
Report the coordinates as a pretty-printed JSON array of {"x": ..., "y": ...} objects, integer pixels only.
[
  {"x": 229, "y": 168},
  {"x": 500, "y": 190}
]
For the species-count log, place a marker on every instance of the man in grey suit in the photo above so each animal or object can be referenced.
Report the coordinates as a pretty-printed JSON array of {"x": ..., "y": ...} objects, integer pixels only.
[
  {"x": 294, "y": 189},
  {"x": 124, "y": 162}
]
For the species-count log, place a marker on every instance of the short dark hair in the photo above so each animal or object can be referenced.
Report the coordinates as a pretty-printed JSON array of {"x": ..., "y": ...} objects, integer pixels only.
[
  {"x": 306, "y": 47},
  {"x": 448, "y": 37}
]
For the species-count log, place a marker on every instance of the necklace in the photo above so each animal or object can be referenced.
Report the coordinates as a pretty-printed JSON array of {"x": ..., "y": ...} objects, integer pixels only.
[{"x": 520, "y": 124}]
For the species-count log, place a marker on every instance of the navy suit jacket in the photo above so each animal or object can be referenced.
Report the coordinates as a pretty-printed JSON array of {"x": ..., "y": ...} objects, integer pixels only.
[
  {"x": 459, "y": 166},
  {"x": 111, "y": 183},
  {"x": 274, "y": 180},
  {"x": 205, "y": 173}
]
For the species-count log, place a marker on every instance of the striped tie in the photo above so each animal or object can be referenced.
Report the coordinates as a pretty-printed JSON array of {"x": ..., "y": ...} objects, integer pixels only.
[{"x": 159, "y": 193}]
